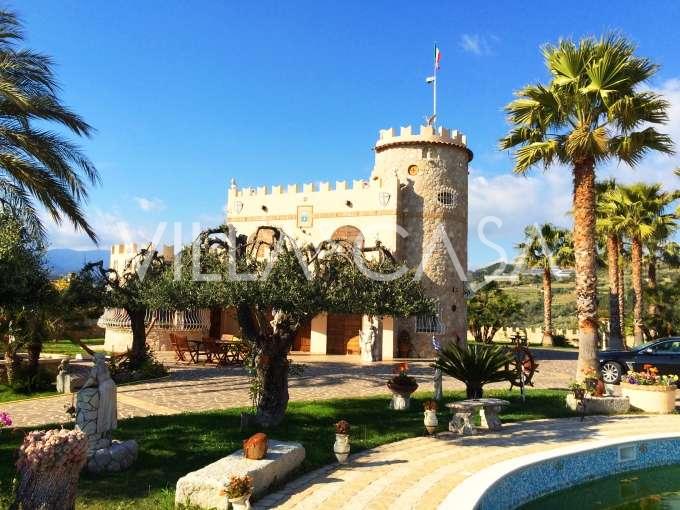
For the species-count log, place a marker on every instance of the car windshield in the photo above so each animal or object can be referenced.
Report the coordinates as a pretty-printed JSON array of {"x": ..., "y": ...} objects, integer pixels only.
[{"x": 645, "y": 345}]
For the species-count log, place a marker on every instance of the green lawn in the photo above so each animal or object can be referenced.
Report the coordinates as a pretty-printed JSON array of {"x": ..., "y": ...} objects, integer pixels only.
[
  {"x": 171, "y": 446},
  {"x": 7, "y": 394},
  {"x": 68, "y": 347}
]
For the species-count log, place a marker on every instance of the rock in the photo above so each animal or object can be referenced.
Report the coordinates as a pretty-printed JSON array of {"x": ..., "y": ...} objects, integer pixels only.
[
  {"x": 600, "y": 405},
  {"x": 202, "y": 488},
  {"x": 118, "y": 456}
]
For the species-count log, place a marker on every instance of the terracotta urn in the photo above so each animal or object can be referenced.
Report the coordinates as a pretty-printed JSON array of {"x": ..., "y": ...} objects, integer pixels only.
[
  {"x": 430, "y": 421},
  {"x": 240, "y": 503},
  {"x": 341, "y": 447},
  {"x": 255, "y": 447}
]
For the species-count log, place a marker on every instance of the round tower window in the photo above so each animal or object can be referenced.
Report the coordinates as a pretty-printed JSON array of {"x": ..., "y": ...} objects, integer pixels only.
[
  {"x": 447, "y": 197},
  {"x": 413, "y": 170}
]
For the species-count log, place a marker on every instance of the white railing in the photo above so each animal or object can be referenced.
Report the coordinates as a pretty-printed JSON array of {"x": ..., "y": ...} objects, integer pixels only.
[{"x": 176, "y": 320}]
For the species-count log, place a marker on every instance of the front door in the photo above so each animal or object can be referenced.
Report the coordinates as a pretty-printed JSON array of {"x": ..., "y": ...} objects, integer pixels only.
[
  {"x": 342, "y": 334},
  {"x": 303, "y": 337}
]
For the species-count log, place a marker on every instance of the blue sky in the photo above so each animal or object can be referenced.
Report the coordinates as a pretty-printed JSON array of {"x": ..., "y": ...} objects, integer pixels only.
[{"x": 186, "y": 95}]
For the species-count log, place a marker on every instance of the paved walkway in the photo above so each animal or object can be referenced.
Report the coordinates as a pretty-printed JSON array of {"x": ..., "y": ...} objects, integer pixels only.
[
  {"x": 421, "y": 472},
  {"x": 202, "y": 388}
]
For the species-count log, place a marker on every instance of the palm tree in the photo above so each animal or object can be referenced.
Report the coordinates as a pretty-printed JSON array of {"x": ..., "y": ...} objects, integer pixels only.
[
  {"x": 639, "y": 211},
  {"x": 36, "y": 163},
  {"x": 545, "y": 247},
  {"x": 613, "y": 247},
  {"x": 591, "y": 111}
]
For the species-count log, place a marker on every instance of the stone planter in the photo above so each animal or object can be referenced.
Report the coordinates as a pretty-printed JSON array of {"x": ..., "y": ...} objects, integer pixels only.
[
  {"x": 599, "y": 405},
  {"x": 430, "y": 421},
  {"x": 401, "y": 395},
  {"x": 341, "y": 447},
  {"x": 242, "y": 503},
  {"x": 651, "y": 399}
]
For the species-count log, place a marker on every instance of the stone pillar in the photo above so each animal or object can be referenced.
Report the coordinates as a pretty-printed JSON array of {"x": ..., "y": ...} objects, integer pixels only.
[
  {"x": 388, "y": 338},
  {"x": 317, "y": 340}
]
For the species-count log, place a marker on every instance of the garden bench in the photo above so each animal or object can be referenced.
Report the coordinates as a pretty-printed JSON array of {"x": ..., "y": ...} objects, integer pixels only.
[{"x": 463, "y": 412}]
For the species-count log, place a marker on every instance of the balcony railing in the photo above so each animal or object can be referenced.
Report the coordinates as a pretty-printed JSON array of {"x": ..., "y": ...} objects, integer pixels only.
[{"x": 176, "y": 320}]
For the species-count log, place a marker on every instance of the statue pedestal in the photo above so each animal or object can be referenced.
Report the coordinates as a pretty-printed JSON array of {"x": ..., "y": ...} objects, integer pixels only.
[{"x": 96, "y": 416}]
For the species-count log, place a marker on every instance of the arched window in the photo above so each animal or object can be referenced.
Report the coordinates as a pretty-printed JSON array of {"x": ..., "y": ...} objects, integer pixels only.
[{"x": 349, "y": 234}]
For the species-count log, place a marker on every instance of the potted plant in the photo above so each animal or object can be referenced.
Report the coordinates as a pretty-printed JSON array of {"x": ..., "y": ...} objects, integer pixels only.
[
  {"x": 650, "y": 391},
  {"x": 238, "y": 491},
  {"x": 341, "y": 445},
  {"x": 402, "y": 386},
  {"x": 430, "y": 420},
  {"x": 578, "y": 390},
  {"x": 475, "y": 365},
  {"x": 590, "y": 378}
]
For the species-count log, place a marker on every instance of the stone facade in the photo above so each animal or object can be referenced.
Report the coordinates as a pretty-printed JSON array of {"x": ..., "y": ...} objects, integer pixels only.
[{"x": 414, "y": 203}]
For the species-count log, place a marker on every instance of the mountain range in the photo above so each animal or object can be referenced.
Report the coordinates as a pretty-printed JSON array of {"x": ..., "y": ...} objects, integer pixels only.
[{"x": 62, "y": 261}]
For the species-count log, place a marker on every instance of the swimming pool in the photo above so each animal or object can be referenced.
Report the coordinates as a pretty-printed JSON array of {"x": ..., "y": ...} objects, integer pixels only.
[
  {"x": 519, "y": 481},
  {"x": 650, "y": 489}
]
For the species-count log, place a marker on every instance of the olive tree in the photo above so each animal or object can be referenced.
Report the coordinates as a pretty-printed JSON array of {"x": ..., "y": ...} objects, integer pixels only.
[{"x": 275, "y": 287}]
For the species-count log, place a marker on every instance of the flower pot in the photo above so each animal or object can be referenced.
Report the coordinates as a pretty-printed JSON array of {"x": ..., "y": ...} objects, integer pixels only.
[
  {"x": 341, "y": 447},
  {"x": 400, "y": 401},
  {"x": 430, "y": 421},
  {"x": 401, "y": 395},
  {"x": 651, "y": 399},
  {"x": 240, "y": 503}
]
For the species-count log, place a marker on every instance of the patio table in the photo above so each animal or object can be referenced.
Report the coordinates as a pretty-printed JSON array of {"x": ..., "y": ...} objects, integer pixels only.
[{"x": 462, "y": 413}]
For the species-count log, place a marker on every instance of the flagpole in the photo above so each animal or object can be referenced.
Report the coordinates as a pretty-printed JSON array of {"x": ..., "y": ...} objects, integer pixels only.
[{"x": 434, "y": 88}]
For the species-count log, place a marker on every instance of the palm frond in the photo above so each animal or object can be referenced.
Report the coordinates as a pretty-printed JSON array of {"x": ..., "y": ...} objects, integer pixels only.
[{"x": 632, "y": 147}]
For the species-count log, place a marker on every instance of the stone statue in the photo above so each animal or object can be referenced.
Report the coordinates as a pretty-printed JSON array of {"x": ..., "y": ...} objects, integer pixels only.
[
  {"x": 367, "y": 343},
  {"x": 97, "y": 416},
  {"x": 100, "y": 380}
]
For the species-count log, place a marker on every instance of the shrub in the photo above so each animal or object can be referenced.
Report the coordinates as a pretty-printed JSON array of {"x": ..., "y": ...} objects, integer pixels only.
[
  {"x": 238, "y": 486},
  {"x": 475, "y": 365},
  {"x": 24, "y": 382},
  {"x": 122, "y": 370},
  {"x": 342, "y": 427}
]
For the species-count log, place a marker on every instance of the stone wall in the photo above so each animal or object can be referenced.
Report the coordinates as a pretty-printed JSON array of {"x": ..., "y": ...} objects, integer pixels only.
[{"x": 433, "y": 212}]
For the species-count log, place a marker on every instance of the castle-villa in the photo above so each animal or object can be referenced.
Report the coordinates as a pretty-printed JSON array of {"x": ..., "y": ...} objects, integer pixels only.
[{"x": 415, "y": 202}]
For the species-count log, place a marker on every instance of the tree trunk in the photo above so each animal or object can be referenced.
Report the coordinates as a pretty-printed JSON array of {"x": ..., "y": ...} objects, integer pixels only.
[
  {"x": 34, "y": 348},
  {"x": 138, "y": 349},
  {"x": 14, "y": 364},
  {"x": 547, "y": 309},
  {"x": 585, "y": 265},
  {"x": 615, "y": 341},
  {"x": 622, "y": 298},
  {"x": 272, "y": 372},
  {"x": 636, "y": 272},
  {"x": 653, "y": 308},
  {"x": 474, "y": 390}
]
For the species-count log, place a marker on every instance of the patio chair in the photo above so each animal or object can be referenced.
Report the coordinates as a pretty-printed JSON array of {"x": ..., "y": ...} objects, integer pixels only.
[
  {"x": 212, "y": 350},
  {"x": 181, "y": 346}
]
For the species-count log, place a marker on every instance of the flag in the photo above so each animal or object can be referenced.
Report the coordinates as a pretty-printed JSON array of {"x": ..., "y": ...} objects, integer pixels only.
[
  {"x": 437, "y": 57},
  {"x": 430, "y": 79}
]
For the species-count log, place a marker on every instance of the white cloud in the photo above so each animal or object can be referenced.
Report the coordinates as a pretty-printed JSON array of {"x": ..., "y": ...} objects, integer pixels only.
[
  {"x": 150, "y": 204},
  {"x": 476, "y": 44},
  {"x": 111, "y": 228},
  {"x": 546, "y": 197}
]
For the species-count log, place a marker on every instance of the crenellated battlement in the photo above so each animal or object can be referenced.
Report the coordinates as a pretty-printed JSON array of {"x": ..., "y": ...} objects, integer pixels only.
[
  {"x": 131, "y": 249},
  {"x": 306, "y": 188},
  {"x": 427, "y": 134}
]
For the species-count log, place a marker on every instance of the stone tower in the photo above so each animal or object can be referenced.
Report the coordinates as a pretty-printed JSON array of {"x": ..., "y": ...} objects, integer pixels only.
[{"x": 432, "y": 169}]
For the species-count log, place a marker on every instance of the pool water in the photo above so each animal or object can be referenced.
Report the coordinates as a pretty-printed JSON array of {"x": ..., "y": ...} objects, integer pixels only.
[{"x": 650, "y": 489}]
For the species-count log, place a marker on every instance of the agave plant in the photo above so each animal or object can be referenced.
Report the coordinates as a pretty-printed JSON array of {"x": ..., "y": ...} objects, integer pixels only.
[{"x": 475, "y": 365}]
